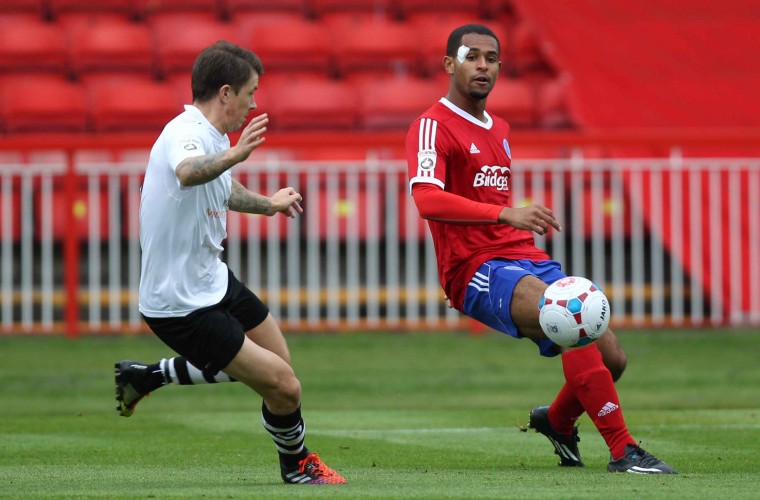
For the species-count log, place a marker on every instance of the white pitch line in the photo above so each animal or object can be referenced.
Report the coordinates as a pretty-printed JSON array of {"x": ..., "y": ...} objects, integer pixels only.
[{"x": 452, "y": 430}]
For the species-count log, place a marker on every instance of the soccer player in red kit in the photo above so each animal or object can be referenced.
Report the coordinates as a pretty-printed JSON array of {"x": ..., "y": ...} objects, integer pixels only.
[{"x": 460, "y": 170}]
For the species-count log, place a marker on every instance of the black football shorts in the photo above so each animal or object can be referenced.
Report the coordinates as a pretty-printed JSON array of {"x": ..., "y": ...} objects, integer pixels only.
[{"x": 212, "y": 336}]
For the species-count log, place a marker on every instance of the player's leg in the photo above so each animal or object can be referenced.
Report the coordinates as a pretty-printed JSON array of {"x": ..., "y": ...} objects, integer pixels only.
[
  {"x": 588, "y": 382},
  {"x": 263, "y": 363},
  {"x": 589, "y": 386},
  {"x": 135, "y": 380}
]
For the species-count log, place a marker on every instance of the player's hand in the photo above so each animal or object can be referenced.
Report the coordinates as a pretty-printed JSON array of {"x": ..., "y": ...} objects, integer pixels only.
[
  {"x": 251, "y": 137},
  {"x": 533, "y": 218},
  {"x": 286, "y": 201}
]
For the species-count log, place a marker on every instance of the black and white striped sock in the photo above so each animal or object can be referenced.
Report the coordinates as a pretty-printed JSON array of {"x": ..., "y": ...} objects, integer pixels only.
[
  {"x": 288, "y": 433},
  {"x": 179, "y": 371}
]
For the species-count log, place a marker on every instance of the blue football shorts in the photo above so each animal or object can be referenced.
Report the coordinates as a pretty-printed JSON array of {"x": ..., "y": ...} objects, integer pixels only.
[{"x": 489, "y": 293}]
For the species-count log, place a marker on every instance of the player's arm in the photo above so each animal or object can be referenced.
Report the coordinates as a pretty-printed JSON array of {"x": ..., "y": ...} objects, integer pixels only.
[
  {"x": 433, "y": 203},
  {"x": 285, "y": 201},
  {"x": 436, "y": 204},
  {"x": 197, "y": 170}
]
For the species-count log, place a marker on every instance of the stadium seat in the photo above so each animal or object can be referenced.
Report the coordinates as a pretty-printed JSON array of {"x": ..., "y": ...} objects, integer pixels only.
[
  {"x": 524, "y": 53},
  {"x": 108, "y": 44},
  {"x": 394, "y": 103},
  {"x": 514, "y": 101},
  {"x": 377, "y": 45},
  {"x": 42, "y": 103},
  {"x": 233, "y": 7},
  {"x": 130, "y": 103},
  {"x": 178, "y": 45},
  {"x": 322, "y": 8},
  {"x": 313, "y": 103},
  {"x": 149, "y": 8},
  {"x": 181, "y": 83},
  {"x": 31, "y": 45},
  {"x": 16, "y": 6},
  {"x": 466, "y": 8},
  {"x": 293, "y": 43},
  {"x": 552, "y": 103},
  {"x": 58, "y": 7},
  {"x": 433, "y": 33}
]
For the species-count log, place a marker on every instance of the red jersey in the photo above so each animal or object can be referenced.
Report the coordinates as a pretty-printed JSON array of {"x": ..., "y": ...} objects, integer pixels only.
[{"x": 453, "y": 150}]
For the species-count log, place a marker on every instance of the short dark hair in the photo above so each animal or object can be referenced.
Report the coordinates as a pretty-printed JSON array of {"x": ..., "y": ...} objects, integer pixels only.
[
  {"x": 223, "y": 63},
  {"x": 455, "y": 38}
]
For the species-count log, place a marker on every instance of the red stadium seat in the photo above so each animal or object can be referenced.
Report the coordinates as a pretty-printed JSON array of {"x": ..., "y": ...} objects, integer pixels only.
[
  {"x": 552, "y": 102},
  {"x": 52, "y": 103},
  {"x": 150, "y": 8},
  {"x": 57, "y": 7},
  {"x": 325, "y": 7},
  {"x": 514, "y": 101},
  {"x": 433, "y": 33},
  {"x": 377, "y": 45},
  {"x": 127, "y": 103},
  {"x": 474, "y": 8},
  {"x": 180, "y": 38},
  {"x": 32, "y": 46},
  {"x": 30, "y": 6},
  {"x": 396, "y": 102},
  {"x": 291, "y": 42},
  {"x": 233, "y": 7},
  {"x": 313, "y": 103},
  {"x": 524, "y": 53},
  {"x": 111, "y": 45}
]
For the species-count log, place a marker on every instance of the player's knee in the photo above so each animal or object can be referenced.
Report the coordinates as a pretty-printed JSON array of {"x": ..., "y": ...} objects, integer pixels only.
[
  {"x": 286, "y": 396},
  {"x": 616, "y": 364}
]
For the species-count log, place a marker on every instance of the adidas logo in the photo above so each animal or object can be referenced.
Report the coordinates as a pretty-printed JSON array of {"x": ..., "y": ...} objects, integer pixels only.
[
  {"x": 607, "y": 409},
  {"x": 473, "y": 149}
]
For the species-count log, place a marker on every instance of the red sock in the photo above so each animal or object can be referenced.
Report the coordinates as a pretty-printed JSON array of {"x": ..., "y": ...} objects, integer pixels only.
[
  {"x": 591, "y": 383},
  {"x": 564, "y": 411}
]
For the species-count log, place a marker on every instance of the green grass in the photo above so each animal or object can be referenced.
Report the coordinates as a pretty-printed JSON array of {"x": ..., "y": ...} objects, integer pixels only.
[{"x": 400, "y": 415}]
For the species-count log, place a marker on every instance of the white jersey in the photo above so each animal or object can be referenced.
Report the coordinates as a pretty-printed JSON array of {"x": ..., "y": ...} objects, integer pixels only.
[{"x": 182, "y": 228}]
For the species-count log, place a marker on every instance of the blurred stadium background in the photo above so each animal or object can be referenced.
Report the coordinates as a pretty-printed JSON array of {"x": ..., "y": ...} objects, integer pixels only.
[{"x": 637, "y": 122}]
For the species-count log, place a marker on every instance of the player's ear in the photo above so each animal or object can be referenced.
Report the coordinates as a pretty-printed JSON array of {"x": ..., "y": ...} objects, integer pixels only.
[
  {"x": 448, "y": 64},
  {"x": 224, "y": 93}
]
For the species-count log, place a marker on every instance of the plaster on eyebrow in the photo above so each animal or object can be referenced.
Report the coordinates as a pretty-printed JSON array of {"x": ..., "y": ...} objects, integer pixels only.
[{"x": 462, "y": 53}]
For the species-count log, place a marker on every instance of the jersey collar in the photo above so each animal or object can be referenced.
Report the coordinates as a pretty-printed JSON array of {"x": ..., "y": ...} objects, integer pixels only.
[
  {"x": 198, "y": 114},
  {"x": 467, "y": 116}
]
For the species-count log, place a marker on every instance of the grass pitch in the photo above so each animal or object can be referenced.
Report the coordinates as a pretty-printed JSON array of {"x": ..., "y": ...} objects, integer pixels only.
[{"x": 432, "y": 415}]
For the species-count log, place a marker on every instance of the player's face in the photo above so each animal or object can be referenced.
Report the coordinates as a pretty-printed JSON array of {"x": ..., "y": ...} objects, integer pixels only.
[
  {"x": 242, "y": 102},
  {"x": 476, "y": 74}
]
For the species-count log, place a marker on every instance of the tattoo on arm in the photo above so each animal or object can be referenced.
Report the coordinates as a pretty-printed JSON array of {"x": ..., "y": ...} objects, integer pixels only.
[
  {"x": 244, "y": 200},
  {"x": 198, "y": 170}
]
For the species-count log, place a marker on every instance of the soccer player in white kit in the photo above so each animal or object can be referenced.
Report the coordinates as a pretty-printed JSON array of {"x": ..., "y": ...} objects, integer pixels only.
[{"x": 188, "y": 296}]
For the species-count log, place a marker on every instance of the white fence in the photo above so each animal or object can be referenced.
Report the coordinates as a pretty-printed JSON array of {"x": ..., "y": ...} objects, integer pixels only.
[{"x": 672, "y": 242}]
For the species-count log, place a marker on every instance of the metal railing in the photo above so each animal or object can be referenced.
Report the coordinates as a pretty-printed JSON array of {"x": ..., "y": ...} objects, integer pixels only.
[{"x": 672, "y": 241}]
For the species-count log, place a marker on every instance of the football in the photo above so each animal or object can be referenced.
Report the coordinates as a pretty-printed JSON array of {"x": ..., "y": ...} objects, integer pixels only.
[{"x": 573, "y": 312}]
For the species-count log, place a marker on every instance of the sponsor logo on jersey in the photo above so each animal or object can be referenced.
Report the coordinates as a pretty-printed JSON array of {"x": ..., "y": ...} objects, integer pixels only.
[
  {"x": 426, "y": 159},
  {"x": 493, "y": 176},
  {"x": 474, "y": 149},
  {"x": 216, "y": 214}
]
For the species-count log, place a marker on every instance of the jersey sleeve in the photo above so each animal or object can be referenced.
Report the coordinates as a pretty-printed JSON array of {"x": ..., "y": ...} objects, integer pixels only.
[
  {"x": 426, "y": 153},
  {"x": 183, "y": 143},
  {"x": 438, "y": 205}
]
